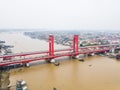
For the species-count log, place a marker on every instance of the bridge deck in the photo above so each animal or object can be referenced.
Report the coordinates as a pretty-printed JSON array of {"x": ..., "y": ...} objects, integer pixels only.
[{"x": 44, "y": 55}]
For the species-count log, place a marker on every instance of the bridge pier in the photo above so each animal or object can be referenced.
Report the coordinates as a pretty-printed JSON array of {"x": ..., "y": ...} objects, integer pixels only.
[
  {"x": 55, "y": 62},
  {"x": 80, "y": 57},
  {"x": 26, "y": 64},
  {"x": 91, "y": 54}
]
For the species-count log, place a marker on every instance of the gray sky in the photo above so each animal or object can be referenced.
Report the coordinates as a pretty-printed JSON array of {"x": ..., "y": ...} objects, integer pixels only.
[{"x": 60, "y": 14}]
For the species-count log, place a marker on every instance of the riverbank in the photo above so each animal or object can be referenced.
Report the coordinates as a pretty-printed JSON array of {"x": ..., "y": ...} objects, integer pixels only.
[{"x": 4, "y": 80}]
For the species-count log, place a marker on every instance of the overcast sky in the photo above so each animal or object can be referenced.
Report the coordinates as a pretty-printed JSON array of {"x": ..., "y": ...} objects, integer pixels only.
[{"x": 60, "y": 14}]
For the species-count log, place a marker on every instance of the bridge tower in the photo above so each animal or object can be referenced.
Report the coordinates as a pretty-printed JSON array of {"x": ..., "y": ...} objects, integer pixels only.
[
  {"x": 51, "y": 51},
  {"x": 75, "y": 44},
  {"x": 76, "y": 48},
  {"x": 51, "y": 46}
]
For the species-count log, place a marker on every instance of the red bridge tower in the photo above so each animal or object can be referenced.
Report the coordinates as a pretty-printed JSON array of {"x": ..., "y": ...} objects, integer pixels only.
[
  {"x": 51, "y": 46},
  {"x": 76, "y": 44}
]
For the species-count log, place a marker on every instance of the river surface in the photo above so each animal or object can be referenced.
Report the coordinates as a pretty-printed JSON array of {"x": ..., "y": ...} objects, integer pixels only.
[{"x": 96, "y": 73}]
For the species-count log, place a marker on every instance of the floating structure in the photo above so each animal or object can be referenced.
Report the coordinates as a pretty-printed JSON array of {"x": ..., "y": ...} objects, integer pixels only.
[{"x": 21, "y": 85}]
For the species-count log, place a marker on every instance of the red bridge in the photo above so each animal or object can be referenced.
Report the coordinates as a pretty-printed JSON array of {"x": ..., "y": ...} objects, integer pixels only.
[{"x": 74, "y": 51}]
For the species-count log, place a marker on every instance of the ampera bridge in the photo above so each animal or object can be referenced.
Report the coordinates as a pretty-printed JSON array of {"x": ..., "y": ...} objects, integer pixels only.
[{"x": 51, "y": 54}]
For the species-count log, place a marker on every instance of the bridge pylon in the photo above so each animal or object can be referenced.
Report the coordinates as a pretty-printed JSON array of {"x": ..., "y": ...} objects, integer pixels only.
[
  {"x": 51, "y": 46},
  {"x": 76, "y": 44},
  {"x": 51, "y": 51}
]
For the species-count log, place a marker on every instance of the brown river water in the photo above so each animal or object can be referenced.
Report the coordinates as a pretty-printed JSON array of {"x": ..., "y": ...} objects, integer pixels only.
[{"x": 95, "y": 73}]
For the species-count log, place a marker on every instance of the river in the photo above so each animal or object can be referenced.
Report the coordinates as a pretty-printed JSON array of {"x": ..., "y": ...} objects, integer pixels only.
[{"x": 96, "y": 73}]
